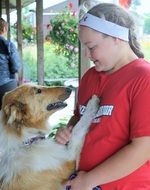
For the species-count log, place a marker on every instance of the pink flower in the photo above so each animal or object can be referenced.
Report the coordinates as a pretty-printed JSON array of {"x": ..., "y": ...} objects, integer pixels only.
[
  {"x": 71, "y": 47},
  {"x": 74, "y": 13},
  {"x": 71, "y": 30},
  {"x": 49, "y": 27},
  {"x": 70, "y": 6}
]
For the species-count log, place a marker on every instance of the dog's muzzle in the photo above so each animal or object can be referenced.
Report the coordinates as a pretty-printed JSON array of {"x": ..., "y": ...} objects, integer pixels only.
[
  {"x": 56, "y": 105},
  {"x": 60, "y": 104}
]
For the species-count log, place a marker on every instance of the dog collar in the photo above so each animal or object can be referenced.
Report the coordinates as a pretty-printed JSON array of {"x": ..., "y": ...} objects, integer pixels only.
[
  {"x": 105, "y": 27},
  {"x": 33, "y": 140}
]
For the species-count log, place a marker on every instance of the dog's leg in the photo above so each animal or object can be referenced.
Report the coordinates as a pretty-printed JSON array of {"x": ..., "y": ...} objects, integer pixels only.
[{"x": 80, "y": 129}]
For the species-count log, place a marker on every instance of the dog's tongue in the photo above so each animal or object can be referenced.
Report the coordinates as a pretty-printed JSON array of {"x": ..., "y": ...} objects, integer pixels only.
[{"x": 56, "y": 105}]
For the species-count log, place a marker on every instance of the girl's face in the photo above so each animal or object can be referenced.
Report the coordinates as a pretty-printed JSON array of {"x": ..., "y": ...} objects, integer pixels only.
[{"x": 102, "y": 50}]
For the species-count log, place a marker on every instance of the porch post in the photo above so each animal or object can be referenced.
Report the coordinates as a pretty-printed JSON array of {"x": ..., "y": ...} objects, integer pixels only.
[
  {"x": 40, "y": 42},
  {"x": 84, "y": 62},
  {"x": 0, "y": 8},
  {"x": 8, "y": 17},
  {"x": 19, "y": 36}
]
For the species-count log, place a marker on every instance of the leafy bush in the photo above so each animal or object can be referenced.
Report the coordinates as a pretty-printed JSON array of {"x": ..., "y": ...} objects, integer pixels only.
[
  {"x": 30, "y": 63},
  {"x": 55, "y": 66},
  {"x": 64, "y": 34},
  {"x": 28, "y": 32}
]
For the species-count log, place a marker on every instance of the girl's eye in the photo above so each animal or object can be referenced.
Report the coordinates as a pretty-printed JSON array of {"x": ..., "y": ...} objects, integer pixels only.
[{"x": 92, "y": 48}]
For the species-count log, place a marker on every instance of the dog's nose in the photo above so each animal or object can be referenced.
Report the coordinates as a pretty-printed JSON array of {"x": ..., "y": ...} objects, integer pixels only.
[{"x": 68, "y": 90}]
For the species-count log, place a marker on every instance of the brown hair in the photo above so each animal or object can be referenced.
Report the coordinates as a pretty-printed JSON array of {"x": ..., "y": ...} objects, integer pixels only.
[
  {"x": 3, "y": 24},
  {"x": 118, "y": 15}
]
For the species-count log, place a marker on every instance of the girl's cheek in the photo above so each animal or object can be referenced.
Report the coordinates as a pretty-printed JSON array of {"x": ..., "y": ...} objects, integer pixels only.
[{"x": 94, "y": 54}]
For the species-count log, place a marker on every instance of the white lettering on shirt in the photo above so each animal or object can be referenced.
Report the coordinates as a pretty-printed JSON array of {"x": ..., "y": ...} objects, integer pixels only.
[{"x": 105, "y": 110}]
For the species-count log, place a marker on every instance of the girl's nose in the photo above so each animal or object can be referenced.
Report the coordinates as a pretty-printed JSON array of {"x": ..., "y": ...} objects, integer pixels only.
[{"x": 87, "y": 53}]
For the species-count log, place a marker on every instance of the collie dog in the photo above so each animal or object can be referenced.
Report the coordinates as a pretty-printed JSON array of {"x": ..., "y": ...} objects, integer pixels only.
[{"x": 29, "y": 160}]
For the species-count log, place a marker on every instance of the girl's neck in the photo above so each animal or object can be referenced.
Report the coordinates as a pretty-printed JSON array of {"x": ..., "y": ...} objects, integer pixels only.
[{"x": 124, "y": 60}]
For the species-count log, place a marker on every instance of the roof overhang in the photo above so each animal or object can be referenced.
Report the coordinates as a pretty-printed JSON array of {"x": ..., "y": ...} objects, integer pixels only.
[{"x": 12, "y": 4}]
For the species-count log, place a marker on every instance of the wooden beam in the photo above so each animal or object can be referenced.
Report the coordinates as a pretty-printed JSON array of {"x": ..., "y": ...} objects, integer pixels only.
[
  {"x": 8, "y": 17},
  {"x": 19, "y": 36},
  {"x": 84, "y": 62},
  {"x": 1, "y": 8},
  {"x": 40, "y": 41}
]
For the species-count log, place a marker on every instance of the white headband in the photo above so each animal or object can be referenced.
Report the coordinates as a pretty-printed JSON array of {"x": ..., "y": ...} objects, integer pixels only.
[{"x": 105, "y": 26}]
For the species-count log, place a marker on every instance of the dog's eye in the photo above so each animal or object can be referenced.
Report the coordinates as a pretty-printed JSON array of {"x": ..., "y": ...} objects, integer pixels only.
[{"x": 38, "y": 91}]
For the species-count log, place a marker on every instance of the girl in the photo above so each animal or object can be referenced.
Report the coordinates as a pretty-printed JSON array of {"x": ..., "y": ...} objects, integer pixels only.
[{"x": 116, "y": 151}]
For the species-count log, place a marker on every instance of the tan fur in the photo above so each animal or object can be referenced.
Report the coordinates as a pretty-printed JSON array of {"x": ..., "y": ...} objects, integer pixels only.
[
  {"x": 45, "y": 180},
  {"x": 43, "y": 165},
  {"x": 22, "y": 108}
]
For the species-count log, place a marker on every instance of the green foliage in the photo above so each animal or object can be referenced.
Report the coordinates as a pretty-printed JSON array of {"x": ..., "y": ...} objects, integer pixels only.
[
  {"x": 30, "y": 63},
  {"x": 62, "y": 123},
  {"x": 64, "y": 35},
  {"x": 55, "y": 65},
  {"x": 28, "y": 32}
]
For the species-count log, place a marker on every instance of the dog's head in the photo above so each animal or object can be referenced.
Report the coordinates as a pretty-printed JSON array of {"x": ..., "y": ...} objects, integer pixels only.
[{"x": 30, "y": 105}]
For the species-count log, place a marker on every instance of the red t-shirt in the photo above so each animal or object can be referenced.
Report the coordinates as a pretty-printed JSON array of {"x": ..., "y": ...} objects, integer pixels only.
[{"x": 124, "y": 114}]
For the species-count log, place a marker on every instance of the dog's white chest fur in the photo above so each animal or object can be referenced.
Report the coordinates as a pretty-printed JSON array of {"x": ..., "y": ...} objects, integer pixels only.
[
  {"x": 41, "y": 159},
  {"x": 42, "y": 155}
]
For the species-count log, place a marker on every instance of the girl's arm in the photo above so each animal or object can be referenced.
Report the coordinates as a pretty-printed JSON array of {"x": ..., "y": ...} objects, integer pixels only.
[{"x": 121, "y": 164}]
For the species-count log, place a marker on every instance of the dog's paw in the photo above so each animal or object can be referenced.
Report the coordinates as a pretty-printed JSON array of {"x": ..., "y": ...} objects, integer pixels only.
[{"x": 92, "y": 105}]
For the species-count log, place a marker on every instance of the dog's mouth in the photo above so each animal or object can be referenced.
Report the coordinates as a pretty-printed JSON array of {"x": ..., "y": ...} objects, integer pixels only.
[{"x": 56, "y": 105}]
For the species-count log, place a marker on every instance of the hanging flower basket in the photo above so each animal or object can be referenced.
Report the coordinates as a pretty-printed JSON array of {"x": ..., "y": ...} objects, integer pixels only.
[{"x": 64, "y": 33}]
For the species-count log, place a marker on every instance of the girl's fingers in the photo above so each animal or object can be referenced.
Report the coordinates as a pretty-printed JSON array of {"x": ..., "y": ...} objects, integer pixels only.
[{"x": 63, "y": 135}]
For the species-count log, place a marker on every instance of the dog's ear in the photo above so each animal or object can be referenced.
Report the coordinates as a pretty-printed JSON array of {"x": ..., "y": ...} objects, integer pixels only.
[{"x": 15, "y": 112}]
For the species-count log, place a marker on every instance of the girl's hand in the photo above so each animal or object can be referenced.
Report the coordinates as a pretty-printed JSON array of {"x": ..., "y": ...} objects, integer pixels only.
[
  {"x": 80, "y": 182},
  {"x": 63, "y": 135}
]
